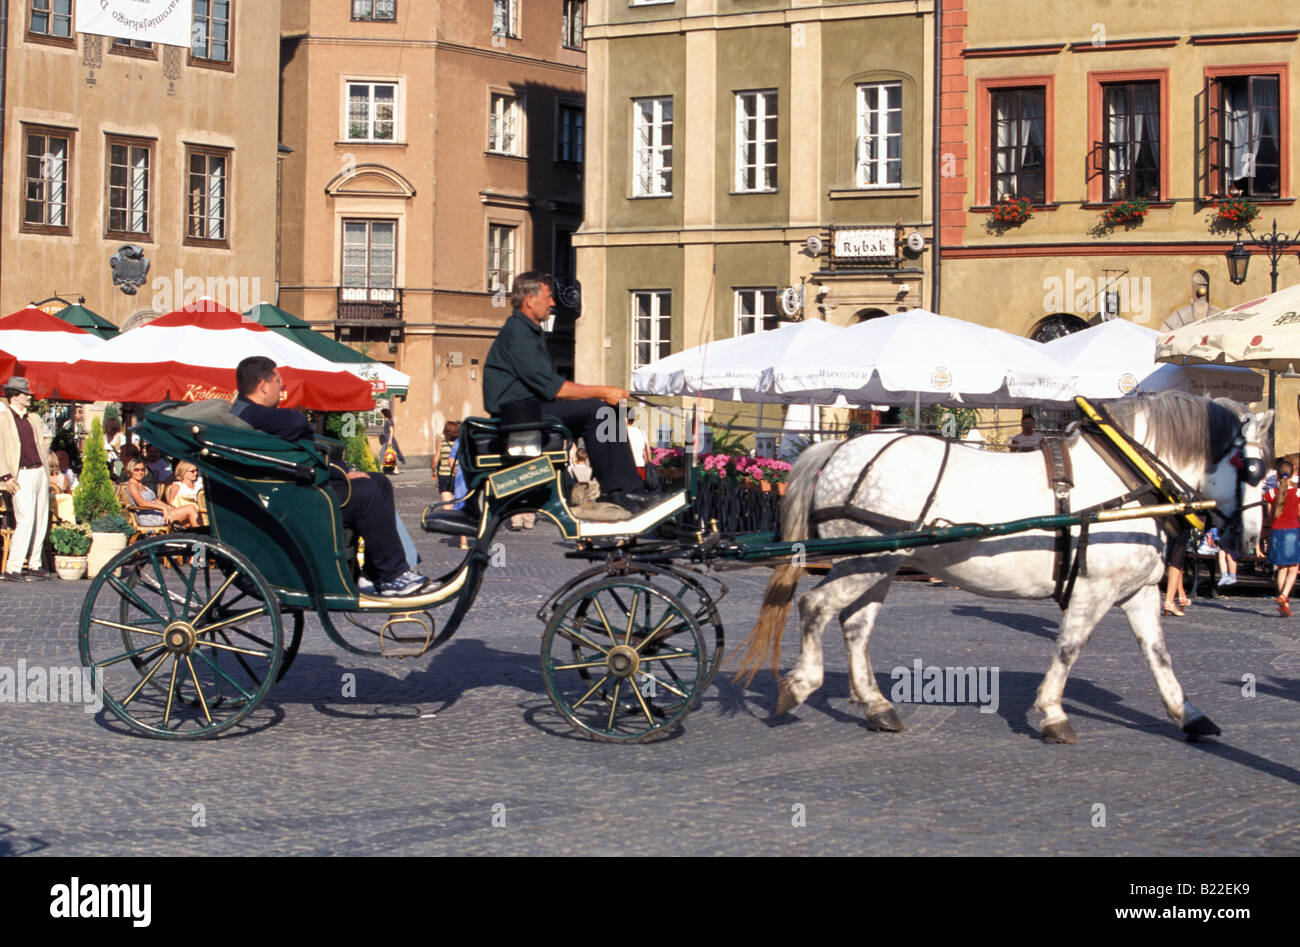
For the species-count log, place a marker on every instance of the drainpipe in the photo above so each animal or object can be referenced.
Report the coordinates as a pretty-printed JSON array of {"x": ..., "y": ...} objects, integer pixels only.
[
  {"x": 936, "y": 158},
  {"x": 4, "y": 73}
]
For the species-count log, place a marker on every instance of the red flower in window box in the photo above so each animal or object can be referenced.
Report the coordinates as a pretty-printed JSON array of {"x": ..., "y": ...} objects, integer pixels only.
[
  {"x": 1011, "y": 211},
  {"x": 1130, "y": 211},
  {"x": 1234, "y": 213}
]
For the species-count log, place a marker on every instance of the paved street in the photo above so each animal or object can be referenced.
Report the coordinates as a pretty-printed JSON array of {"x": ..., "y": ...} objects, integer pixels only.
[{"x": 431, "y": 750}]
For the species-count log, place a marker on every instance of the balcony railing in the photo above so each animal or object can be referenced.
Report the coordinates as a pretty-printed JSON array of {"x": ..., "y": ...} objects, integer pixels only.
[{"x": 369, "y": 306}]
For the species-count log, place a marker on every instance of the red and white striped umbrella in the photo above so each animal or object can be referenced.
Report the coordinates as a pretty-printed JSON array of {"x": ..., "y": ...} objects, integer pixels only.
[
  {"x": 41, "y": 344},
  {"x": 190, "y": 355}
]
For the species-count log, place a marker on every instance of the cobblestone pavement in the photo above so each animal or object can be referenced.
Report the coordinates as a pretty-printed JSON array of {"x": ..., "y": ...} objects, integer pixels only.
[{"x": 431, "y": 750}]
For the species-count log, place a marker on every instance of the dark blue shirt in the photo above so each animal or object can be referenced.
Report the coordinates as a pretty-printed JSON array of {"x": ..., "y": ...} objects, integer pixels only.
[{"x": 282, "y": 422}]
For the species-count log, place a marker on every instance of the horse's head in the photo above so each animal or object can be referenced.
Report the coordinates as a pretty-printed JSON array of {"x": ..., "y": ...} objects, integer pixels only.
[
  {"x": 1215, "y": 446},
  {"x": 1234, "y": 479}
]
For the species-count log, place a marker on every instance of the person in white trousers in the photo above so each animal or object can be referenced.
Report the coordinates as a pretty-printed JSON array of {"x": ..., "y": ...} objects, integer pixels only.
[{"x": 24, "y": 460}]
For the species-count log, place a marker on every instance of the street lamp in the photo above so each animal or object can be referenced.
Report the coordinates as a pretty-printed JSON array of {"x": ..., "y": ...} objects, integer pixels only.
[
  {"x": 1275, "y": 245},
  {"x": 1238, "y": 263}
]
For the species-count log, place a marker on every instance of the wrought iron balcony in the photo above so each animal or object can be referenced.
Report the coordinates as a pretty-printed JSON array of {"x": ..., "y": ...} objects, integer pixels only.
[{"x": 369, "y": 306}]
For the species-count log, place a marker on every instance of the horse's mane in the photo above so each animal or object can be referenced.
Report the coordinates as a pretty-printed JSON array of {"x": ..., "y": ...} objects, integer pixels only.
[{"x": 1184, "y": 429}]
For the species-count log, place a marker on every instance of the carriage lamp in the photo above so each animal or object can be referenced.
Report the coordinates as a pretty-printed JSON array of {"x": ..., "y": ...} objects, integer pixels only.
[{"x": 1238, "y": 263}]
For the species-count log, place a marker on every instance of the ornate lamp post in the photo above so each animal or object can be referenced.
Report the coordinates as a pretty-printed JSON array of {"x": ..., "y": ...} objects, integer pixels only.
[{"x": 1275, "y": 245}]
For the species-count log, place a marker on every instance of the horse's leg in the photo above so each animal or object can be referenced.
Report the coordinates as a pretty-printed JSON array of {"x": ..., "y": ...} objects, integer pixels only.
[
  {"x": 1141, "y": 610},
  {"x": 1087, "y": 605},
  {"x": 817, "y": 609},
  {"x": 858, "y": 621}
]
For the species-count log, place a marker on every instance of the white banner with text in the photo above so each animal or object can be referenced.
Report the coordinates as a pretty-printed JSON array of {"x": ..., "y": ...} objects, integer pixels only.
[{"x": 147, "y": 21}]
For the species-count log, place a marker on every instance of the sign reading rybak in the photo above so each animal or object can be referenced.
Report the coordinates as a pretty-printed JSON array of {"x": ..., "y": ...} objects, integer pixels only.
[
  {"x": 864, "y": 243},
  {"x": 148, "y": 21}
]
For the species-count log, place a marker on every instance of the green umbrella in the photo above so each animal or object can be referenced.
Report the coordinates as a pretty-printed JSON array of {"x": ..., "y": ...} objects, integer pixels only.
[
  {"x": 300, "y": 331},
  {"x": 92, "y": 322}
]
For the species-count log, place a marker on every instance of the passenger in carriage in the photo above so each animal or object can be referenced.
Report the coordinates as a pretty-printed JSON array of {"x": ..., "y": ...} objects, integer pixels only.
[
  {"x": 366, "y": 501},
  {"x": 518, "y": 367}
]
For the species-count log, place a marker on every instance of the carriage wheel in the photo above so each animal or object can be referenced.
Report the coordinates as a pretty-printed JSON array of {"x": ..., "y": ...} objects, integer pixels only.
[
  {"x": 692, "y": 592},
  {"x": 623, "y": 660},
  {"x": 187, "y": 641}
]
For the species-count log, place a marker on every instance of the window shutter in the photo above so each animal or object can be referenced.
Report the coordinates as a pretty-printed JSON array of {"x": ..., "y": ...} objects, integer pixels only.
[{"x": 1210, "y": 160}]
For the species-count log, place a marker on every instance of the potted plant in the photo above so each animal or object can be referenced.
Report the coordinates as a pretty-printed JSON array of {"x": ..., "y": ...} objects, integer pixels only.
[
  {"x": 71, "y": 544},
  {"x": 110, "y": 534},
  {"x": 1233, "y": 214},
  {"x": 1131, "y": 210},
  {"x": 1010, "y": 212},
  {"x": 95, "y": 498}
]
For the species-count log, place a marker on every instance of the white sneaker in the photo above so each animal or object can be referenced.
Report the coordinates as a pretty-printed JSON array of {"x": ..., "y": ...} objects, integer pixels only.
[
  {"x": 1232, "y": 580},
  {"x": 1224, "y": 579}
]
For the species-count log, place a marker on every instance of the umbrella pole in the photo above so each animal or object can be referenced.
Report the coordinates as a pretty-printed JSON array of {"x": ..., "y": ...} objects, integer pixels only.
[{"x": 916, "y": 411}]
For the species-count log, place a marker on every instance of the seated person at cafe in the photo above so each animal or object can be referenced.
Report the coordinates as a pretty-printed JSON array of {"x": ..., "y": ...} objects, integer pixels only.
[
  {"x": 184, "y": 491},
  {"x": 366, "y": 500},
  {"x": 518, "y": 368},
  {"x": 151, "y": 511}
]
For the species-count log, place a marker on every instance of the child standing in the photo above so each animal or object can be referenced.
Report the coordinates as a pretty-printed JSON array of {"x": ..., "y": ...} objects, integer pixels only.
[{"x": 1284, "y": 536}]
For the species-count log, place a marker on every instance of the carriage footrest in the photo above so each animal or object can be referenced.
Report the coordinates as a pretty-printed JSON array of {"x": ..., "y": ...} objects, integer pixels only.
[
  {"x": 406, "y": 635},
  {"x": 449, "y": 522}
]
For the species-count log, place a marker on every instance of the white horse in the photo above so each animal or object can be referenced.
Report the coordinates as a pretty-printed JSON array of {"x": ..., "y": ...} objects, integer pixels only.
[{"x": 1205, "y": 442}]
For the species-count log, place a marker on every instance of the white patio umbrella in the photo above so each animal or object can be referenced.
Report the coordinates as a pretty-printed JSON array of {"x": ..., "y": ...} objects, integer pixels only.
[
  {"x": 919, "y": 357},
  {"x": 1117, "y": 358},
  {"x": 1261, "y": 333}
]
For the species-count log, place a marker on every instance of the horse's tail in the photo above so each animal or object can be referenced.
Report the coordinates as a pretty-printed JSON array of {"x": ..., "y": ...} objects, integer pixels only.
[{"x": 765, "y": 638}]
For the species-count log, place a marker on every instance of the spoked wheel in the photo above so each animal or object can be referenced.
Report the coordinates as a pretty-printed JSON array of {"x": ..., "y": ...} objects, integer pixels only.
[
  {"x": 623, "y": 660},
  {"x": 187, "y": 641},
  {"x": 704, "y": 609}
]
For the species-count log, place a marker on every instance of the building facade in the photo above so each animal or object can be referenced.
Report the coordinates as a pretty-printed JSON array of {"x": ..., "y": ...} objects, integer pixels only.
[
  {"x": 437, "y": 152},
  {"x": 750, "y": 154},
  {"x": 1167, "y": 110},
  {"x": 111, "y": 143}
]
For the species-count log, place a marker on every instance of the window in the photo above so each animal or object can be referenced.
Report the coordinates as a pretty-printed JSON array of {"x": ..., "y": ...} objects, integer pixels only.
[
  {"x": 568, "y": 136},
  {"x": 211, "y": 31},
  {"x": 565, "y": 264},
  {"x": 652, "y": 137},
  {"x": 504, "y": 125},
  {"x": 652, "y": 320},
  {"x": 130, "y": 161},
  {"x": 372, "y": 107},
  {"x": 756, "y": 310},
  {"x": 206, "y": 197},
  {"x": 879, "y": 155},
  {"x": 1019, "y": 144},
  {"x": 46, "y": 173},
  {"x": 500, "y": 258},
  {"x": 369, "y": 260},
  {"x": 1131, "y": 142},
  {"x": 755, "y": 141},
  {"x": 505, "y": 18},
  {"x": 133, "y": 47},
  {"x": 573, "y": 18},
  {"x": 1246, "y": 143},
  {"x": 374, "y": 9},
  {"x": 51, "y": 19}
]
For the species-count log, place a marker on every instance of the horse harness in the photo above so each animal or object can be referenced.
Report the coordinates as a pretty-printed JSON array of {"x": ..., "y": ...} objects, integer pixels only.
[{"x": 1141, "y": 472}]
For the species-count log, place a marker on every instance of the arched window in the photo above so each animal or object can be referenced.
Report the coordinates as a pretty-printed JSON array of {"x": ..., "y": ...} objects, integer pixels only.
[
  {"x": 862, "y": 315},
  {"x": 1057, "y": 325}
]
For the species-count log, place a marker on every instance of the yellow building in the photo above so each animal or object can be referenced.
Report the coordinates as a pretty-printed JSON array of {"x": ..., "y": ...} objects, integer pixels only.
[
  {"x": 109, "y": 143},
  {"x": 1182, "y": 106},
  {"x": 743, "y": 147}
]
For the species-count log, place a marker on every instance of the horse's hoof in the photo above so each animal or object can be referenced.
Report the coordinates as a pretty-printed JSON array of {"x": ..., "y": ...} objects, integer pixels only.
[
  {"x": 1200, "y": 726},
  {"x": 1060, "y": 732},
  {"x": 886, "y": 720},
  {"x": 785, "y": 701}
]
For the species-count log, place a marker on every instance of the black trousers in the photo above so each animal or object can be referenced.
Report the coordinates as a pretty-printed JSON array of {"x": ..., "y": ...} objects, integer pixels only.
[
  {"x": 605, "y": 436},
  {"x": 371, "y": 514}
]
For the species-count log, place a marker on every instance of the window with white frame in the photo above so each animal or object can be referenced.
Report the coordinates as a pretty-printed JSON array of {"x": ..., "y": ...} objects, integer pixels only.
[
  {"x": 879, "y": 158},
  {"x": 372, "y": 111},
  {"x": 210, "y": 32},
  {"x": 756, "y": 310},
  {"x": 129, "y": 184},
  {"x": 756, "y": 141},
  {"x": 207, "y": 195},
  {"x": 652, "y": 324},
  {"x": 573, "y": 18},
  {"x": 652, "y": 143},
  {"x": 374, "y": 9},
  {"x": 505, "y": 18},
  {"x": 369, "y": 259},
  {"x": 45, "y": 195},
  {"x": 51, "y": 18},
  {"x": 500, "y": 257},
  {"x": 504, "y": 125},
  {"x": 569, "y": 133}
]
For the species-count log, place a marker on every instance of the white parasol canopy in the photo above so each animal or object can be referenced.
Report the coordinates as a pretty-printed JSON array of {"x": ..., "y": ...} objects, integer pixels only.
[{"x": 1261, "y": 333}]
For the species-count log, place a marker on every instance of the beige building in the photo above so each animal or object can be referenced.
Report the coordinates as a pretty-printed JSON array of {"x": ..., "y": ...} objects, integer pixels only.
[
  {"x": 741, "y": 148},
  {"x": 108, "y": 144},
  {"x": 437, "y": 152},
  {"x": 1183, "y": 106}
]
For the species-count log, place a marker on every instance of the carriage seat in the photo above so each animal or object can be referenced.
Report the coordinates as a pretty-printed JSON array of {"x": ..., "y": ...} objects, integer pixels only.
[{"x": 485, "y": 447}]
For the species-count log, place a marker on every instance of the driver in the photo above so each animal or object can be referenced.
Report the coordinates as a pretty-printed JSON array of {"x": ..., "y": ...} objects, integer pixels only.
[{"x": 366, "y": 501}]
